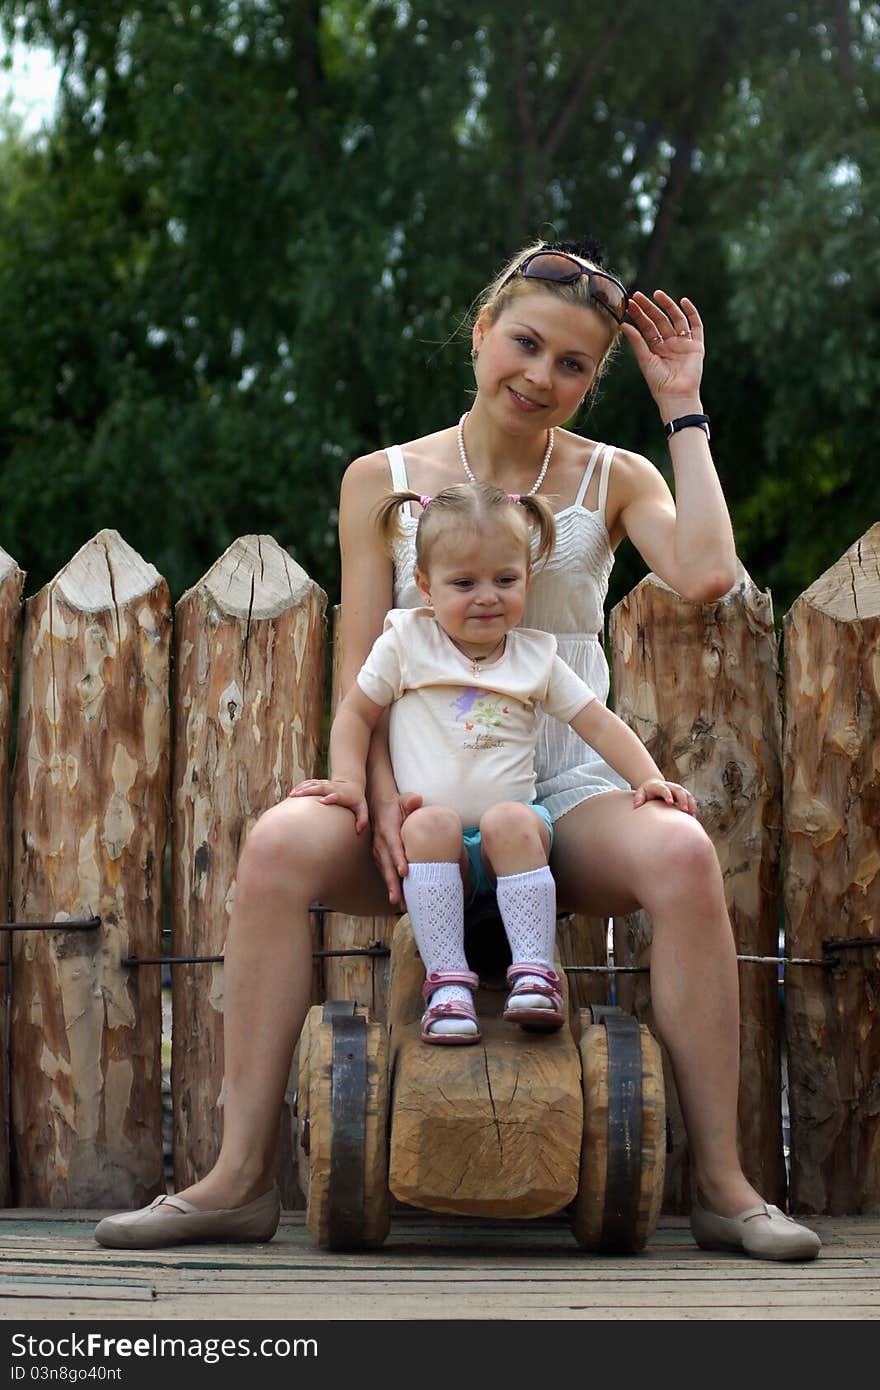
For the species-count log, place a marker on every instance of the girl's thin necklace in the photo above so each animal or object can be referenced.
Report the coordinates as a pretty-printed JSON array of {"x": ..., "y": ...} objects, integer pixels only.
[
  {"x": 477, "y": 662},
  {"x": 467, "y": 468}
]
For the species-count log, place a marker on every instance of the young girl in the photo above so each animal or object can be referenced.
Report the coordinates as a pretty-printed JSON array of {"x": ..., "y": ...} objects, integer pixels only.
[{"x": 465, "y": 686}]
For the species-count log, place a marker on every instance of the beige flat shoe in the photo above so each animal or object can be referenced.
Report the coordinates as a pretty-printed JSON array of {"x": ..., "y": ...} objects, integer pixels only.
[
  {"x": 150, "y": 1229},
  {"x": 780, "y": 1238}
]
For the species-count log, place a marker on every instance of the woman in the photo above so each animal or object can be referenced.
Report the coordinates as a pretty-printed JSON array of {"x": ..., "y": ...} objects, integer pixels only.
[{"x": 540, "y": 341}]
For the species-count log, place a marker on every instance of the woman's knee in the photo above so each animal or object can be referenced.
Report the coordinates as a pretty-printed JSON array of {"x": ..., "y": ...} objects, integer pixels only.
[
  {"x": 432, "y": 833},
  {"x": 509, "y": 825},
  {"x": 682, "y": 861},
  {"x": 288, "y": 842}
]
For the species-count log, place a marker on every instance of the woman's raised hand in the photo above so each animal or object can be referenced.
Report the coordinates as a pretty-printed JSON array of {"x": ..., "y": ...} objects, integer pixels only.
[
  {"x": 388, "y": 852},
  {"x": 667, "y": 339}
]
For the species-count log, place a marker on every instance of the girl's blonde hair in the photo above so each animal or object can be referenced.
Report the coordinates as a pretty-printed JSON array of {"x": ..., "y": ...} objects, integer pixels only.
[
  {"x": 472, "y": 507},
  {"x": 508, "y": 286}
]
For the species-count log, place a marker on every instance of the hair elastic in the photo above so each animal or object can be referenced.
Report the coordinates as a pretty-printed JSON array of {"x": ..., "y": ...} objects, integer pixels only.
[
  {"x": 424, "y": 502},
  {"x": 513, "y": 496}
]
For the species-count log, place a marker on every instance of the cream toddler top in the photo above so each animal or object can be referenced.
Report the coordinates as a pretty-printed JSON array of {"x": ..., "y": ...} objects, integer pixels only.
[
  {"x": 462, "y": 733},
  {"x": 567, "y": 598}
]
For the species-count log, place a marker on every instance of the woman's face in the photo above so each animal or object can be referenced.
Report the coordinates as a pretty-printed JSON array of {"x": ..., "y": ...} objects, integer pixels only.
[{"x": 538, "y": 359}]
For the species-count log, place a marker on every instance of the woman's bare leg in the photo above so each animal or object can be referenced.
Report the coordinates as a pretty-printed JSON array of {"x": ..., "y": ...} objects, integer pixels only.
[
  {"x": 298, "y": 853},
  {"x": 610, "y": 859}
]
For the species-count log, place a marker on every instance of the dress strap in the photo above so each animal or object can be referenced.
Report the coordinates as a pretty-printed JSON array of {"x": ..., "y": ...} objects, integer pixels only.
[
  {"x": 588, "y": 474},
  {"x": 604, "y": 475},
  {"x": 399, "y": 480}
]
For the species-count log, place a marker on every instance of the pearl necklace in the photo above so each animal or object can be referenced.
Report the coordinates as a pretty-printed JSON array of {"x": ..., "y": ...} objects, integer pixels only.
[{"x": 467, "y": 468}]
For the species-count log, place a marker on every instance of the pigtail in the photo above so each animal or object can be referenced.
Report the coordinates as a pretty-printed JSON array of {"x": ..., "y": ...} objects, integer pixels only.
[
  {"x": 539, "y": 515},
  {"x": 462, "y": 505},
  {"x": 386, "y": 515}
]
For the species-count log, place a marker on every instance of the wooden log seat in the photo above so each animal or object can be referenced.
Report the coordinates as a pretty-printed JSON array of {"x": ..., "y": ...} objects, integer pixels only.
[
  {"x": 518, "y": 1125},
  {"x": 489, "y": 1130}
]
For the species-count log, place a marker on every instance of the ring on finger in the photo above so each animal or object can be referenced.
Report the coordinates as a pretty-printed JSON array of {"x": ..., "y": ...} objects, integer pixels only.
[{"x": 685, "y": 333}]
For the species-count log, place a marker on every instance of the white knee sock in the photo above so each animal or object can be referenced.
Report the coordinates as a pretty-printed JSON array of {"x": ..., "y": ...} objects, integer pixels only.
[
  {"x": 527, "y": 903},
  {"x": 434, "y": 896}
]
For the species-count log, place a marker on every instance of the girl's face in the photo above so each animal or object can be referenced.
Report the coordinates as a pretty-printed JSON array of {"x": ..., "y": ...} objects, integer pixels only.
[
  {"x": 538, "y": 359},
  {"x": 477, "y": 586}
]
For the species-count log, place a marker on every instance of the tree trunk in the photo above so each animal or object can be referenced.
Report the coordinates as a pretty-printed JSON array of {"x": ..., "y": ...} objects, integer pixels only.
[
  {"x": 11, "y": 583},
  {"x": 90, "y": 814},
  {"x": 699, "y": 684},
  {"x": 701, "y": 97},
  {"x": 832, "y": 883},
  {"x": 248, "y": 710}
]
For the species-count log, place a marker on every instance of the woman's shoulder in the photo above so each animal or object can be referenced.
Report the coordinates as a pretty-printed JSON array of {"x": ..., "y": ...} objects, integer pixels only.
[
  {"x": 373, "y": 471},
  {"x": 631, "y": 472},
  {"x": 366, "y": 471},
  {"x": 578, "y": 450},
  {"x": 430, "y": 462}
]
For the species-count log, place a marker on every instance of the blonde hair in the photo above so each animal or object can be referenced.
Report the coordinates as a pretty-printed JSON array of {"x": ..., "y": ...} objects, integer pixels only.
[
  {"x": 508, "y": 286},
  {"x": 474, "y": 507}
]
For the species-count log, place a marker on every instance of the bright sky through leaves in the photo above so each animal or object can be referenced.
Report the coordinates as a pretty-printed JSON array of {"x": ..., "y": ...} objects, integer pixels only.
[{"x": 29, "y": 87}]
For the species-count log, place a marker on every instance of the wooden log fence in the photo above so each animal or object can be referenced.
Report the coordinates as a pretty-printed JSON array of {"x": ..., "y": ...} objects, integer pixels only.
[
  {"x": 11, "y": 585},
  {"x": 699, "y": 684},
  {"x": 90, "y": 822},
  {"x": 248, "y": 700},
  {"x": 831, "y": 809},
  {"x": 97, "y": 799}
]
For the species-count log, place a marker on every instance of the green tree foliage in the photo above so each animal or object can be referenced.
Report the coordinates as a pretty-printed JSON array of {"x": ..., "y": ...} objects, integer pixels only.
[{"x": 242, "y": 254}]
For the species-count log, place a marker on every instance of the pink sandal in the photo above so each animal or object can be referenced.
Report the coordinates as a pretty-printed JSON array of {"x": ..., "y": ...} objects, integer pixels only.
[
  {"x": 548, "y": 984},
  {"x": 456, "y": 1008}
]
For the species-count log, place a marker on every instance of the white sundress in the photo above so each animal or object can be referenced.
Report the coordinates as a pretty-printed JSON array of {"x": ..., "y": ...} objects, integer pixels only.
[{"x": 566, "y": 597}]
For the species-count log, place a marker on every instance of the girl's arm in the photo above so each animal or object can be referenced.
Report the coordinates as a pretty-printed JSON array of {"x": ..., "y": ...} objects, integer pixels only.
[
  {"x": 353, "y": 725},
  {"x": 625, "y": 752},
  {"x": 687, "y": 542}
]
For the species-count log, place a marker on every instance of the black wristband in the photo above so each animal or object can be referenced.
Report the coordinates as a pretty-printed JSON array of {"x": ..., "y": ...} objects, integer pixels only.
[{"x": 701, "y": 422}]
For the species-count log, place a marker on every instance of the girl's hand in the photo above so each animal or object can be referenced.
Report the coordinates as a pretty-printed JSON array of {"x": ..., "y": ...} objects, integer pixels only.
[
  {"x": 388, "y": 852},
  {"x": 657, "y": 789},
  {"x": 667, "y": 340},
  {"x": 337, "y": 792}
]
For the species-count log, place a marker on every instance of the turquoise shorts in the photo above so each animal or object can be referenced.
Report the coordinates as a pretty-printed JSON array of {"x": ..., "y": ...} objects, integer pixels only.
[{"x": 480, "y": 885}]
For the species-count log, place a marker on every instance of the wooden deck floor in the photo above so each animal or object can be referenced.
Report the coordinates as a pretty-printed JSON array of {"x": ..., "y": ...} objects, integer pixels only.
[{"x": 431, "y": 1267}]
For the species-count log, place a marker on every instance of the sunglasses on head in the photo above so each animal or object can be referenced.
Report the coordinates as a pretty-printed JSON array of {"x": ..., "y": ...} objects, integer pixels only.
[{"x": 562, "y": 269}]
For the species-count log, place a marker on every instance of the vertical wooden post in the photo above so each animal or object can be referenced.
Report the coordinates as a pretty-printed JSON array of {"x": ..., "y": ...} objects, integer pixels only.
[
  {"x": 90, "y": 815},
  {"x": 699, "y": 684},
  {"x": 582, "y": 940},
  {"x": 832, "y": 883},
  {"x": 248, "y": 716},
  {"x": 11, "y": 583},
  {"x": 364, "y": 978}
]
